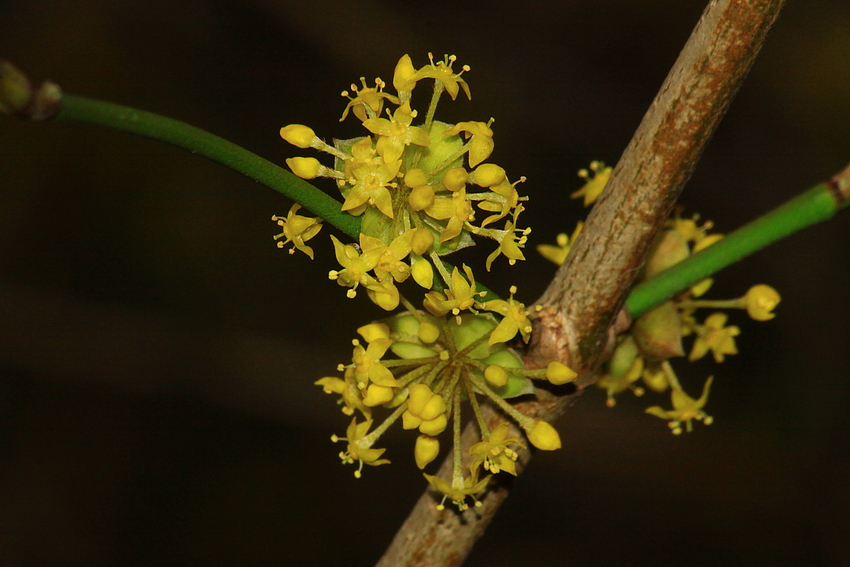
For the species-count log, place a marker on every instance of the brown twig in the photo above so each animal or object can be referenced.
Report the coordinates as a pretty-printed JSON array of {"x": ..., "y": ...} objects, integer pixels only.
[{"x": 581, "y": 305}]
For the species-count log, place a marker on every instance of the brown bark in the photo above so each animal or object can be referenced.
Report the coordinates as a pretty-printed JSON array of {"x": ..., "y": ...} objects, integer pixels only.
[{"x": 580, "y": 306}]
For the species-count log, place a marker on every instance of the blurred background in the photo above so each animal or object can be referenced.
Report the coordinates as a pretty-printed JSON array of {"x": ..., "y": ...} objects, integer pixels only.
[{"x": 158, "y": 352}]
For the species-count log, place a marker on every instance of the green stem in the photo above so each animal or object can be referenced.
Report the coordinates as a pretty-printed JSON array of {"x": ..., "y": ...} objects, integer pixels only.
[
  {"x": 815, "y": 205},
  {"x": 203, "y": 143}
]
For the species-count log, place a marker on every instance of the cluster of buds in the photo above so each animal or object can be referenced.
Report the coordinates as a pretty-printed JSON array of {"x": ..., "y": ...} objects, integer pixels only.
[
  {"x": 643, "y": 353},
  {"x": 417, "y": 190}
]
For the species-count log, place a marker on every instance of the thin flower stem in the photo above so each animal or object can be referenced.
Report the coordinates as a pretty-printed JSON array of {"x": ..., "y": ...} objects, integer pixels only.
[
  {"x": 815, "y": 205},
  {"x": 203, "y": 143}
]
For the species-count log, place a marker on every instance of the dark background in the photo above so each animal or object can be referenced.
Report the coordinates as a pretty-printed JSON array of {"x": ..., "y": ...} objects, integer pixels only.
[{"x": 157, "y": 352}]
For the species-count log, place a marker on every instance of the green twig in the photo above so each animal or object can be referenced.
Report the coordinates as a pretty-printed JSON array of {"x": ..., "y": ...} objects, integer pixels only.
[
  {"x": 203, "y": 143},
  {"x": 815, "y": 205}
]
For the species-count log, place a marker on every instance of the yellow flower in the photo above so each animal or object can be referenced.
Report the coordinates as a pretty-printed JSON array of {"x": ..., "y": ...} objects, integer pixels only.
[
  {"x": 396, "y": 134},
  {"x": 471, "y": 486},
  {"x": 355, "y": 264},
  {"x": 383, "y": 294},
  {"x": 558, "y": 254},
  {"x": 369, "y": 185},
  {"x": 442, "y": 71},
  {"x": 367, "y": 364},
  {"x": 369, "y": 100},
  {"x": 713, "y": 336},
  {"x": 460, "y": 295},
  {"x": 509, "y": 244},
  {"x": 514, "y": 319},
  {"x": 347, "y": 388},
  {"x": 297, "y": 229},
  {"x": 502, "y": 200},
  {"x": 685, "y": 409},
  {"x": 760, "y": 301},
  {"x": 494, "y": 452},
  {"x": 596, "y": 179},
  {"x": 457, "y": 209},
  {"x": 359, "y": 449},
  {"x": 391, "y": 262},
  {"x": 481, "y": 145}
]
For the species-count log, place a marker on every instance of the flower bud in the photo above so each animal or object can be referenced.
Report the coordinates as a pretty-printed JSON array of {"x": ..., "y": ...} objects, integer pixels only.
[
  {"x": 544, "y": 437},
  {"x": 761, "y": 300},
  {"x": 377, "y": 395},
  {"x": 428, "y": 332},
  {"x": 426, "y": 450},
  {"x": 434, "y": 408},
  {"x": 668, "y": 249},
  {"x": 423, "y": 273},
  {"x": 16, "y": 92},
  {"x": 404, "y": 72},
  {"x": 455, "y": 179},
  {"x": 496, "y": 375},
  {"x": 298, "y": 135},
  {"x": 558, "y": 373},
  {"x": 434, "y": 426},
  {"x": 419, "y": 396},
  {"x": 658, "y": 332},
  {"x": 305, "y": 168},
  {"x": 415, "y": 177},
  {"x": 421, "y": 197},
  {"x": 422, "y": 241},
  {"x": 488, "y": 174}
]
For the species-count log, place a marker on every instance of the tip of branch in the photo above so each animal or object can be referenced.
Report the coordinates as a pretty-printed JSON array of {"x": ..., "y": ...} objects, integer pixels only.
[{"x": 19, "y": 98}]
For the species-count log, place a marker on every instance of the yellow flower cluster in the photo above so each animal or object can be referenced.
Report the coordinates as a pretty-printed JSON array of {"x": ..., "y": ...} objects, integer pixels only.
[
  {"x": 644, "y": 353},
  {"x": 417, "y": 187}
]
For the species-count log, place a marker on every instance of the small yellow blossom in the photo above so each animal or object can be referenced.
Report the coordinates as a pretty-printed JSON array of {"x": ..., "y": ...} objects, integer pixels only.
[
  {"x": 297, "y": 229},
  {"x": 359, "y": 449},
  {"x": 456, "y": 209},
  {"x": 685, "y": 409},
  {"x": 714, "y": 336},
  {"x": 502, "y": 199},
  {"x": 370, "y": 184},
  {"x": 347, "y": 388},
  {"x": 442, "y": 71},
  {"x": 356, "y": 265},
  {"x": 596, "y": 179},
  {"x": 760, "y": 301},
  {"x": 558, "y": 254},
  {"x": 514, "y": 319},
  {"x": 369, "y": 101},
  {"x": 391, "y": 261},
  {"x": 509, "y": 244},
  {"x": 471, "y": 486},
  {"x": 494, "y": 452},
  {"x": 460, "y": 295},
  {"x": 396, "y": 134},
  {"x": 481, "y": 145},
  {"x": 367, "y": 364}
]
